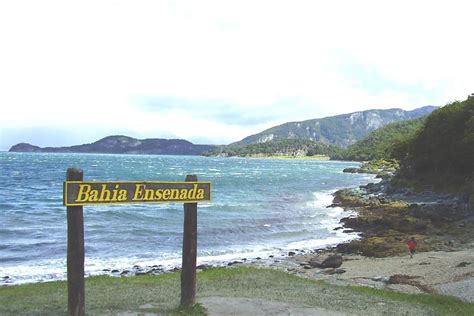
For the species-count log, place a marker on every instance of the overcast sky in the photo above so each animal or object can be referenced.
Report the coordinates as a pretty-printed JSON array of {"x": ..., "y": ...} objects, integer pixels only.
[{"x": 216, "y": 71}]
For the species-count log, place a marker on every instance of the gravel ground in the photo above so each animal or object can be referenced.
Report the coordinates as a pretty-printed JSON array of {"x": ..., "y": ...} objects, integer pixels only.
[
  {"x": 448, "y": 273},
  {"x": 463, "y": 289}
]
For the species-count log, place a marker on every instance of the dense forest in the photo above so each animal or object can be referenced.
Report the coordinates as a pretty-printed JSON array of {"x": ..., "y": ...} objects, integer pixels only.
[{"x": 444, "y": 147}]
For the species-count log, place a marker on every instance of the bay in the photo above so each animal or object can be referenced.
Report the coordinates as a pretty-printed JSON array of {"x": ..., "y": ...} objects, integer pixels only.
[{"x": 259, "y": 207}]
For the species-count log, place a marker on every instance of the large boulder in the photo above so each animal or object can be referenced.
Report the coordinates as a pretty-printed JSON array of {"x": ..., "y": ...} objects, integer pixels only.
[
  {"x": 333, "y": 261},
  {"x": 351, "y": 170}
]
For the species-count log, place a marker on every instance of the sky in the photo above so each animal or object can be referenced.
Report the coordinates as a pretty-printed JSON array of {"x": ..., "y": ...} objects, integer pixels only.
[{"x": 214, "y": 72}]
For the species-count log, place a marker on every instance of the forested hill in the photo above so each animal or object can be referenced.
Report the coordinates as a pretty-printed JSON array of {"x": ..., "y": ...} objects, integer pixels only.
[
  {"x": 282, "y": 147},
  {"x": 383, "y": 142},
  {"x": 342, "y": 130},
  {"x": 124, "y": 145},
  {"x": 379, "y": 144},
  {"x": 444, "y": 147}
]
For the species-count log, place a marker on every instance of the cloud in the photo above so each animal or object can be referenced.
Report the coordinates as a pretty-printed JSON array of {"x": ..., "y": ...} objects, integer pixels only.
[
  {"x": 219, "y": 70},
  {"x": 220, "y": 110}
]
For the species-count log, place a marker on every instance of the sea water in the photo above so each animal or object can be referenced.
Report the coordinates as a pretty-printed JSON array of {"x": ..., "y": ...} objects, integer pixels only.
[{"x": 259, "y": 207}]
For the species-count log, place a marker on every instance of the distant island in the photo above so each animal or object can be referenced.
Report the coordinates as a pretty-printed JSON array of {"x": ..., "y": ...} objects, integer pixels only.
[{"x": 120, "y": 144}]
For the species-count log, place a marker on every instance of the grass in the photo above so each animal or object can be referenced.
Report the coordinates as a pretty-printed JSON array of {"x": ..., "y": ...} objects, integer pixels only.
[
  {"x": 161, "y": 294},
  {"x": 443, "y": 305}
]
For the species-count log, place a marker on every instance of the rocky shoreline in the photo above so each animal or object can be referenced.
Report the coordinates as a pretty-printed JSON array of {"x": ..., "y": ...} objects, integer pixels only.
[{"x": 389, "y": 214}]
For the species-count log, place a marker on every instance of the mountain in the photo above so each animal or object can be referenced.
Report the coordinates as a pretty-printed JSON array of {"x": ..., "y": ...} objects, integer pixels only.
[
  {"x": 382, "y": 142},
  {"x": 342, "y": 130},
  {"x": 124, "y": 145}
]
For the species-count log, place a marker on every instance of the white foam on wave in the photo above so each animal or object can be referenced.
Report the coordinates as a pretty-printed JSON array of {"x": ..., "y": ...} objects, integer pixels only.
[
  {"x": 330, "y": 221},
  {"x": 205, "y": 205},
  {"x": 322, "y": 243},
  {"x": 42, "y": 271},
  {"x": 56, "y": 270},
  {"x": 209, "y": 258},
  {"x": 335, "y": 211},
  {"x": 320, "y": 199},
  {"x": 224, "y": 258}
]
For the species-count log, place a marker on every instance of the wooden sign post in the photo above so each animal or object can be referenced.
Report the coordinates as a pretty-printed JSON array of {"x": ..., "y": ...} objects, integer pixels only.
[
  {"x": 75, "y": 253},
  {"x": 78, "y": 193},
  {"x": 188, "y": 267}
]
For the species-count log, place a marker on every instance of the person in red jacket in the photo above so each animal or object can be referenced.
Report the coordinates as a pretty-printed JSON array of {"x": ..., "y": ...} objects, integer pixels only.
[{"x": 412, "y": 246}]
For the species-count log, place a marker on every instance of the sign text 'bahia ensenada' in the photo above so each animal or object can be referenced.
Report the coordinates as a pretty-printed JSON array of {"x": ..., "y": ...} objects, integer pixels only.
[
  {"x": 82, "y": 193},
  {"x": 78, "y": 193}
]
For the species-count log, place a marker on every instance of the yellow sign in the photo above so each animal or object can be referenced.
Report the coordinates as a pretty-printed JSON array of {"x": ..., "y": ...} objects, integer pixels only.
[{"x": 81, "y": 193}]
